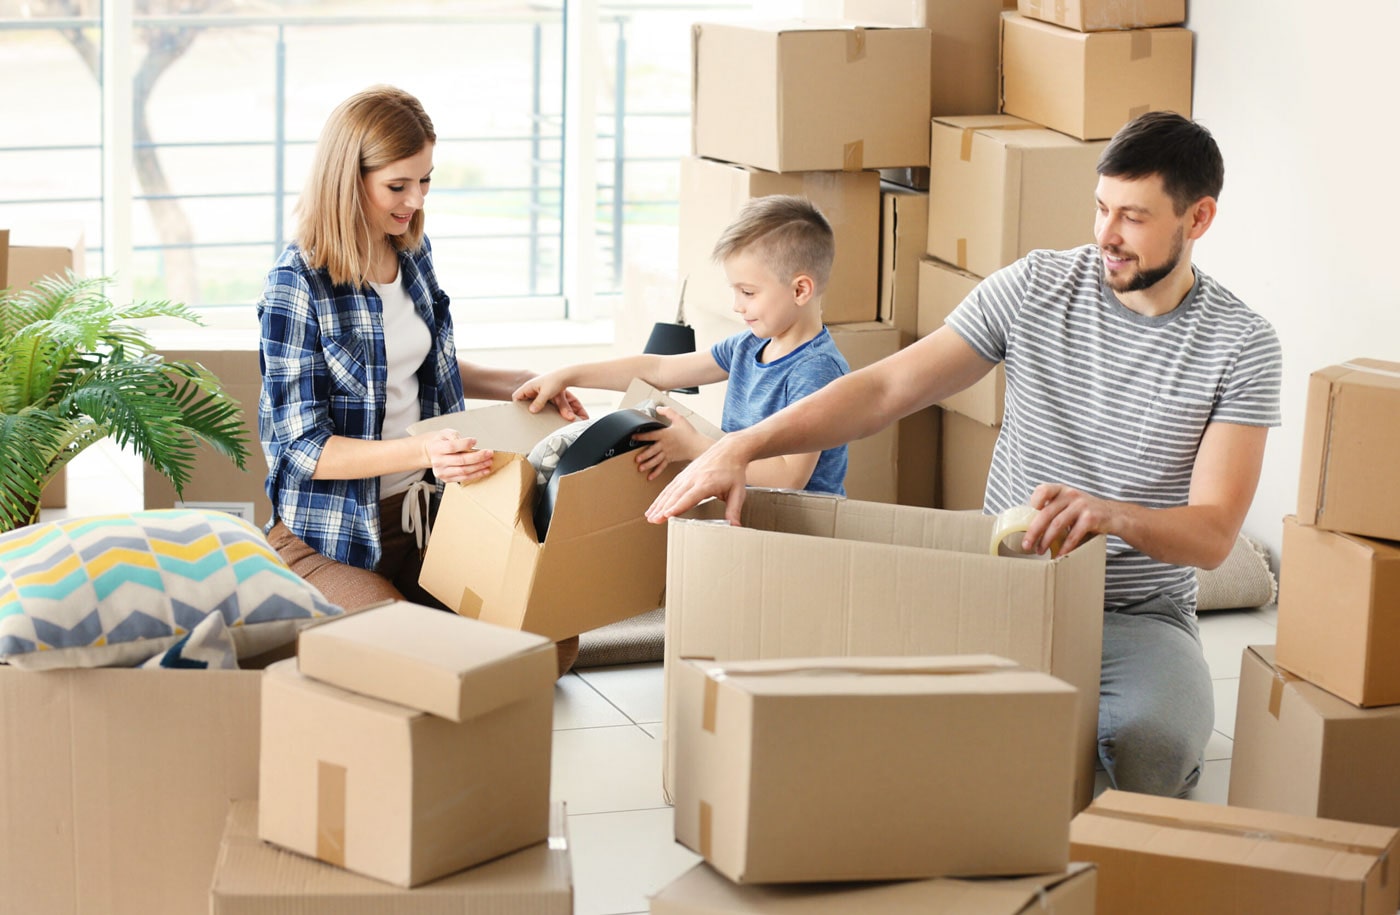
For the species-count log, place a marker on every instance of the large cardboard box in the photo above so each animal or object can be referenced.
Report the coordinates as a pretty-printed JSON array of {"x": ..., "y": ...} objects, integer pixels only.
[
  {"x": 1163, "y": 856},
  {"x": 395, "y": 793},
  {"x": 815, "y": 576},
  {"x": 1299, "y": 749},
  {"x": 1089, "y": 84},
  {"x": 903, "y": 239},
  {"x": 872, "y": 468},
  {"x": 30, "y": 253},
  {"x": 966, "y": 457},
  {"x": 1000, "y": 187},
  {"x": 837, "y": 768},
  {"x": 807, "y": 96},
  {"x": 942, "y": 288},
  {"x": 1350, "y": 438},
  {"x": 114, "y": 785},
  {"x": 712, "y": 193},
  {"x": 602, "y": 560},
  {"x": 441, "y": 663},
  {"x": 703, "y": 891},
  {"x": 216, "y": 481},
  {"x": 1339, "y": 613},
  {"x": 964, "y": 53},
  {"x": 255, "y": 878},
  {"x": 1103, "y": 15}
]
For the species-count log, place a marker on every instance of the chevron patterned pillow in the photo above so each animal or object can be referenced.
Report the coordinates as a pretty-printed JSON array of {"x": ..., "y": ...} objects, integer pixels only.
[{"x": 117, "y": 590}]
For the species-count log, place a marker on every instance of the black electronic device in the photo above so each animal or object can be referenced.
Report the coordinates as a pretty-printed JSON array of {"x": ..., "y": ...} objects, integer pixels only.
[{"x": 607, "y": 437}]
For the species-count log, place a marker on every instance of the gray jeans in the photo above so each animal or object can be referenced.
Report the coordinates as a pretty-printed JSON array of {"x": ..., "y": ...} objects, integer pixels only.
[{"x": 1156, "y": 700}]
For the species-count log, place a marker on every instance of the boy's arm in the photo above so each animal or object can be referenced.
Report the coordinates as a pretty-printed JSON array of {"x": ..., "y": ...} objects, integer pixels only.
[
  {"x": 787, "y": 471},
  {"x": 661, "y": 372}
]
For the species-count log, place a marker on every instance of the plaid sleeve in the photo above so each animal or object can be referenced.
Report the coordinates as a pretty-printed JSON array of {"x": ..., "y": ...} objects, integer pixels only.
[{"x": 292, "y": 417}]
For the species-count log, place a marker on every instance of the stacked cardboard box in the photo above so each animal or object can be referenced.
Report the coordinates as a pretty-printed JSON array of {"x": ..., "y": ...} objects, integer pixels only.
[
  {"x": 1163, "y": 856},
  {"x": 404, "y": 744},
  {"x": 1297, "y": 749}
]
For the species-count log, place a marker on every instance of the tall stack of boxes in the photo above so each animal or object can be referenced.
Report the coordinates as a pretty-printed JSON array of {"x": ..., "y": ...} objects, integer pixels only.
[
  {"x": 839, "y": 770},
  {"x": 405, "y": 745},
  {"x": 1318, "y": 718}
]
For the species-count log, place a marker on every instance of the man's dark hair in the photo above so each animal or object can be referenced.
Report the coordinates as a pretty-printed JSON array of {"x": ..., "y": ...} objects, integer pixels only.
[{"x": 1178, "y": 149}]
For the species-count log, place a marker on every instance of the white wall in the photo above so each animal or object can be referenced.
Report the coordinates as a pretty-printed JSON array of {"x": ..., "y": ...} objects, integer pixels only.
[{"x": 1301, "y": 102}]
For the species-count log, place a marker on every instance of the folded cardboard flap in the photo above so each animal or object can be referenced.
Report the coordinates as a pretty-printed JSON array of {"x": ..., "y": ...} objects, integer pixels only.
[{"x": 506, "y": 426}]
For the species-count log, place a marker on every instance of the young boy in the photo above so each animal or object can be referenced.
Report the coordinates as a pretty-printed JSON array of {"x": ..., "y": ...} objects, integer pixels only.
[{"x": 777, "y": 257}]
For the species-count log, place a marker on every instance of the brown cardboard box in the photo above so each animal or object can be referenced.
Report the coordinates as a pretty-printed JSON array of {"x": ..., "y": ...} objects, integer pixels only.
[
  {"x": 1000, "y": 187},
  {"x": 1339, "y": 613},
  {"x": 838, "y": 768},
  {"x": 942, "y": 287},
  {"x": 602, "y": 560},
  {"x": 30, "y": 253},
  {"x": 1163, "y": 856},
  {"x": 964, "y": 54},
  {"x": 815, "y": 576},
  {"x": 1299, "y": 749},
  {"x": 1089, "y": 84},
  {"x": 1350, "y": 439},
  {"x": 394, "y": 793},
  {"x": 1103, "y": 15},
  {"x": 115, "y": 783},
  {"x": 966, "y": 457},
  {"x": 808, "y": 96},
  {"x": 441, "y": 663},
  {"x": 903, "y": 239},
  {"x": 919, "y": 436},
  {"x": 703, "y": 891},
  {"x": 216, "y": 481},
  {"x": 872, "y": 469},
  {"x": 255, "y": 878},
  {"x": 712, "y": 193}
]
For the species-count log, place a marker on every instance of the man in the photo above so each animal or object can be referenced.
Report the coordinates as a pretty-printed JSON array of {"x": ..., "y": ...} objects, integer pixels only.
[{"x": 1139, "y": 393}]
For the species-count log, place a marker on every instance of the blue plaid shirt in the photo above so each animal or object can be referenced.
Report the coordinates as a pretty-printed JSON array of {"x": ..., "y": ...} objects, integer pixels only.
[{"x": 324, "y": 374}]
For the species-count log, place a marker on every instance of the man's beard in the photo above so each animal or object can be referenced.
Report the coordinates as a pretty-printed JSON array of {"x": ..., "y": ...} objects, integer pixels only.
[{"x": 1146, "y": 278}]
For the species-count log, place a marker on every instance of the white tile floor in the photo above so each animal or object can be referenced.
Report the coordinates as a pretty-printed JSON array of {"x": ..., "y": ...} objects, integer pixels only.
[{"x": 607, "y": 752}]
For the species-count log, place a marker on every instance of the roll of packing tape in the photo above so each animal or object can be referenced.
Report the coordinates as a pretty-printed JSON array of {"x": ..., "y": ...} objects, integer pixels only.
[{"x": 1010, "y": 529}]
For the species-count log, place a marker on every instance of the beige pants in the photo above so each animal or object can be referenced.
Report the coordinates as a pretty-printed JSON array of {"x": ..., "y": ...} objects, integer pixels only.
[{"x": 395, "y": 578}]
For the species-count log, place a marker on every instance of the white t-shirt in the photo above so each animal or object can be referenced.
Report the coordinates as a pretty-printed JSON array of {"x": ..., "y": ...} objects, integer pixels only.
[{"x": 406, "y": 345}]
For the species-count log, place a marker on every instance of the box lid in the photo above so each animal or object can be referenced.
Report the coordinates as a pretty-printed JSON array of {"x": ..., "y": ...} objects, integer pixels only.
[
  {"x": 506, "y": 426},
  {"x": 426, "y": 659}
]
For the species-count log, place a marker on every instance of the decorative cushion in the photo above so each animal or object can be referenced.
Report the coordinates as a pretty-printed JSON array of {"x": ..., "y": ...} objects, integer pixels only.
[
  {"x": 1243, "y": 580},
  {"x": 117, "y": 590}
]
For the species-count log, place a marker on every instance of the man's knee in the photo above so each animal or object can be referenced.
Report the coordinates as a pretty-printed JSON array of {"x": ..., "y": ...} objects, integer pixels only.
[{"x": 1143, "y": 756}]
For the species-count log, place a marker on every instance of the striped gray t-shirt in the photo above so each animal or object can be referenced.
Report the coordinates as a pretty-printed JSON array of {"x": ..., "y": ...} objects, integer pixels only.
[{"x": 1111, "y": 402}]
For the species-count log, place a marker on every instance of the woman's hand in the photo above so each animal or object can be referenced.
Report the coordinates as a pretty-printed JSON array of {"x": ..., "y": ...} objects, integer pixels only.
[{"x": 454, "y": 459}]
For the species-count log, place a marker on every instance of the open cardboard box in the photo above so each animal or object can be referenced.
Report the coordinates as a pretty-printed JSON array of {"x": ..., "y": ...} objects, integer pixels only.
[{"x": 602, "y": 561}]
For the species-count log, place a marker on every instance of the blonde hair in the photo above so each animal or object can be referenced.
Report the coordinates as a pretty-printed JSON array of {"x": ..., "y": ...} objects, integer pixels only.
[
  {"x": 367, "y": 131},
  {"x": 788, "y": 232}
]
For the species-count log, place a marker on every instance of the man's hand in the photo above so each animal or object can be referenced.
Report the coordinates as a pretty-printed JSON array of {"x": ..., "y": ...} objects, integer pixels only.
[
  {"x": 680, "y": 441},
  {"x": 453, "y": 458},
  {"x": 1067, "y": 517},
  {"x": 719, "y": 471}
]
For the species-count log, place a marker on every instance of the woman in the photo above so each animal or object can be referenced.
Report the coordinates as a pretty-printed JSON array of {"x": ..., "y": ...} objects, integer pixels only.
[{"x": 356, "y": 345}]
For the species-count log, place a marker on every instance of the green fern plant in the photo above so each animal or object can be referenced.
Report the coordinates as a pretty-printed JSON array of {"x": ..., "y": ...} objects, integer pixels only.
[{"x": 74, "y": 371}]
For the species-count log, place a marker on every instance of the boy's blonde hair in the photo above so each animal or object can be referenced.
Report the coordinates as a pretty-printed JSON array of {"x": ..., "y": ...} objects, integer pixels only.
[
  {"x": 367, "y": 131},
  {"x": 788, "y": 232}
]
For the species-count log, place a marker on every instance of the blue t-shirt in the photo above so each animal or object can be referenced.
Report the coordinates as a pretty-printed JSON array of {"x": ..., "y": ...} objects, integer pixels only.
[{"x": 757, "y": 390}]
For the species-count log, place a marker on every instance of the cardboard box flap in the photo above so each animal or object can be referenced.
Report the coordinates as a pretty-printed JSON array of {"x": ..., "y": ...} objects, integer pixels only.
[
  {"x": 500, "y": 427},
  {"x": 591, "y": 502},
  {"x": 1261, "y": 839},
  {"x": 952, "y": 665},
  {"x": 1371, "y": 372},
  {"x": 449, "y": 665}
]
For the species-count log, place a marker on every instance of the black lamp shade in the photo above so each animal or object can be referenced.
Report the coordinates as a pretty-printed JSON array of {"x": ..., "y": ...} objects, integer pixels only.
[{"x": 672, "y": 340}]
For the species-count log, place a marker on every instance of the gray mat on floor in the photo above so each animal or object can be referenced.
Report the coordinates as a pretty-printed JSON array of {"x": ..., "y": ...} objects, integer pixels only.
[{"x": 629, "y": 641}]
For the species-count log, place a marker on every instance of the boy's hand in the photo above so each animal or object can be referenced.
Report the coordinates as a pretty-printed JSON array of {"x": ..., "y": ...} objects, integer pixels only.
[
  {"x": 551, "y": 388},
  {"x": 678, "y": 442},
  {"x": 453, "y": 458}
]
